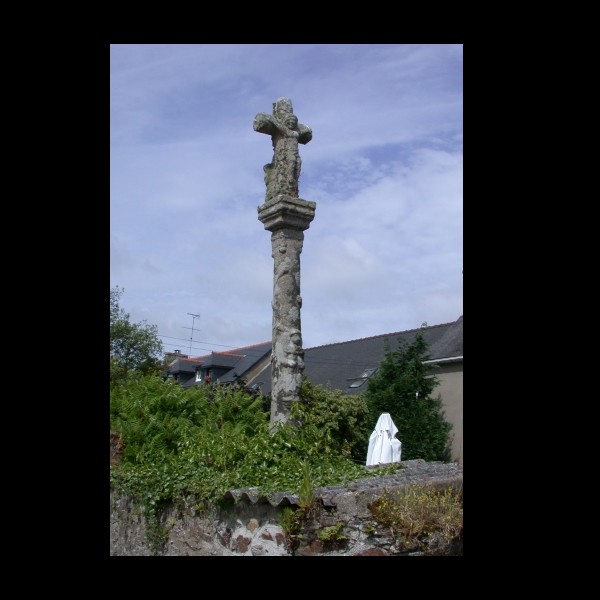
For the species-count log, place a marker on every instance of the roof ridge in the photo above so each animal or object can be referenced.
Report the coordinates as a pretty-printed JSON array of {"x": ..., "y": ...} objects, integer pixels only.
[
  {"x": 201, "y": 356},
  {"x": 251, "y": 346},
  {"x": 370, "y": 337},
  {"x": 196, "y": 359}
]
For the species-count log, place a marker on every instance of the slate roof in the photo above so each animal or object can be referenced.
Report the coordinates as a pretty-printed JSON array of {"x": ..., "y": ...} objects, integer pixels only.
[
  {"x": 338, "y": 365},
  {"x": 220, "y": 359},
  {"x": 184, "y": 365},
  {"x": 237, "y": 360},
  {"x": 250, "y": 355},
  {"x": 450, "y": 345}
]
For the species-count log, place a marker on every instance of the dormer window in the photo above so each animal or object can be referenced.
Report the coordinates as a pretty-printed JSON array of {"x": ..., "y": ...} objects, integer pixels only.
[
  {"x": 358, "y": 381},
  {"x": 203, "y": 375}
]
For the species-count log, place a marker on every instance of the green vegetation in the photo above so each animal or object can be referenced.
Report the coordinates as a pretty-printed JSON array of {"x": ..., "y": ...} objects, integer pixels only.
[
  {"x": 293, "y": 523},
  {"x": 402, "y": 387},
  {"x": 133, "y": 346},
  {"x": 333, "y": 535},
  {"x": 300, "y": 523},
  {"x": 423, "y": 518},
  {"x": 289, "y": 522},
  {"x": 192, "y": 445},
  {"x": 342, "y": 419},
  {"x": 210, "y": 439},
  {"x": 306, "y": 495}
]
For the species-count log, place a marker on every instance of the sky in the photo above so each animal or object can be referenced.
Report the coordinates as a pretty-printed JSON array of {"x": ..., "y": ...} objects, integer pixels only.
[{"x": 384, "y": 252}]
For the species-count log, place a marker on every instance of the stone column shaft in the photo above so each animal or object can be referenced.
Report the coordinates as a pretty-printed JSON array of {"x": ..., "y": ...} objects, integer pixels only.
[
  {"x": 287, "y": 358},
  {"x": 286, "y": 218}
]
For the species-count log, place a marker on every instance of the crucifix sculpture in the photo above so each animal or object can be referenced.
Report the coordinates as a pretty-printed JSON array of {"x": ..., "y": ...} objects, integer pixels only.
[
  {"x": 282, "y": 175},
  {"x": 286, "y": 216}
]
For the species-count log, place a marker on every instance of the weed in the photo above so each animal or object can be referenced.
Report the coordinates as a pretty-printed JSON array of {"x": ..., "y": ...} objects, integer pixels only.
[
  {"x": 333, "y": 535},
  {"x": 369, "y": 529},
  {"x": 422, "y": 518},
  {"x": 290, "y": 521},
  {"x": 306, "y": 493}
]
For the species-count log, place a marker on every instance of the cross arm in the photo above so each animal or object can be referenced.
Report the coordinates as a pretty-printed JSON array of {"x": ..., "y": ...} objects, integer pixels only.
[
  {"x": 264, "y": 123},
  {"x": 305, "y": 134}
]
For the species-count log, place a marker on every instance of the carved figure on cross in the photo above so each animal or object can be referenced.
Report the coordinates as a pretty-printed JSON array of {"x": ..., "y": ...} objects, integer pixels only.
[{"x": 283, "y": 173}]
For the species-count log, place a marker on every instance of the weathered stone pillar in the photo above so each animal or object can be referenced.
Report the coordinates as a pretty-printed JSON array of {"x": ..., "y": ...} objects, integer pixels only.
[{"x": 286, "y": 216}]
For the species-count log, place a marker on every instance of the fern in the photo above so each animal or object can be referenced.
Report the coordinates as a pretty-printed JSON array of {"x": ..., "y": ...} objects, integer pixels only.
[{"x": 205, "y": 441}]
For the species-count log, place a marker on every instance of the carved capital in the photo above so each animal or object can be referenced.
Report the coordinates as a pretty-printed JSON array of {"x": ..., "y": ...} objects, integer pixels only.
[{"x": 285, "y": 212}]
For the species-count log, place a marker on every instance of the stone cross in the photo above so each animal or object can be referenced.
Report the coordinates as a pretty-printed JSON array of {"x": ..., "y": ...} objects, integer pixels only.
[
  {"x": 286, "y": 216},
  {"x": 283, "y": 173}
]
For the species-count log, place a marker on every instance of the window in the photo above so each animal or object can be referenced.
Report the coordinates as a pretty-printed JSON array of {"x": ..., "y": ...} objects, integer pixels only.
[
  {"x": 358, "y": 381},
  {"x": 203, "y": 375}
]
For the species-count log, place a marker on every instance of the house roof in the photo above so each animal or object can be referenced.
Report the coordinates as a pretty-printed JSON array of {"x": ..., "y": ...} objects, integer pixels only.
[
  {"x": 184, "y": 365},
  {"x": 221, "y": 359},
  {"x": 338, "y": 365},
  {"x": 450, "y": 345},
  {"x": 237, "y": 361},
  {"x": 248, "y": 357},
  {"x": 332, "y": 365}
]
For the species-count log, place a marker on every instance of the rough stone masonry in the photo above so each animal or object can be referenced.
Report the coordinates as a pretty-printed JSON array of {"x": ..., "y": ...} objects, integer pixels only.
[{"x": 286, "y": 216}]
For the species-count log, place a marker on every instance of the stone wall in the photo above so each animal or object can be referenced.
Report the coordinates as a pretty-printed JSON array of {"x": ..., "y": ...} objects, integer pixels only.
[{"x": 247, "y": 524}]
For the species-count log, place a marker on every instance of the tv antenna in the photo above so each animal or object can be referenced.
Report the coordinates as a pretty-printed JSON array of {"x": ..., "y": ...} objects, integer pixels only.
[{"x": 194, "y": 317}]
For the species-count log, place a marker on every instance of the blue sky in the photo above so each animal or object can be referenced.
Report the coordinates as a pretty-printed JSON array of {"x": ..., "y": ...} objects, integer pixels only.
[{"x": 384, "y": 252}]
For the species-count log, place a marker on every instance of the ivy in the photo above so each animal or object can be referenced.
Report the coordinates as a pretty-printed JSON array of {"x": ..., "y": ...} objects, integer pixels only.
[{"x": 201, "y": 442}]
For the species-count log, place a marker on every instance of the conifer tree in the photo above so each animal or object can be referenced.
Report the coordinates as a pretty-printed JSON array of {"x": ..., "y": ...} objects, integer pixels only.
[{"x": 403, "y": 386}]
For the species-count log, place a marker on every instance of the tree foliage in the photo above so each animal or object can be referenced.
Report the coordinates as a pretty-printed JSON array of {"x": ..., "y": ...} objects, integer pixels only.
[
  {"x": 344, "y": 418},
  {"x": 133, "y": 346},
  {"x": 403, "y": 387}
]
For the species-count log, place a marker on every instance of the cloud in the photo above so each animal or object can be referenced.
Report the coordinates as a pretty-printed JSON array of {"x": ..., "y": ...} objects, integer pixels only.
[{"x": 384, "y": 252}]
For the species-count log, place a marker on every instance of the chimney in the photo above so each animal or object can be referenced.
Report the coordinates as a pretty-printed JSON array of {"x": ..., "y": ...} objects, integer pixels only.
[{"x": 175, "y": 354}]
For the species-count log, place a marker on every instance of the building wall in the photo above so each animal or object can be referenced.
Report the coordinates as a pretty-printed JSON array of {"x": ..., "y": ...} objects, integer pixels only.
[{"x": 451, "y": 391}]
